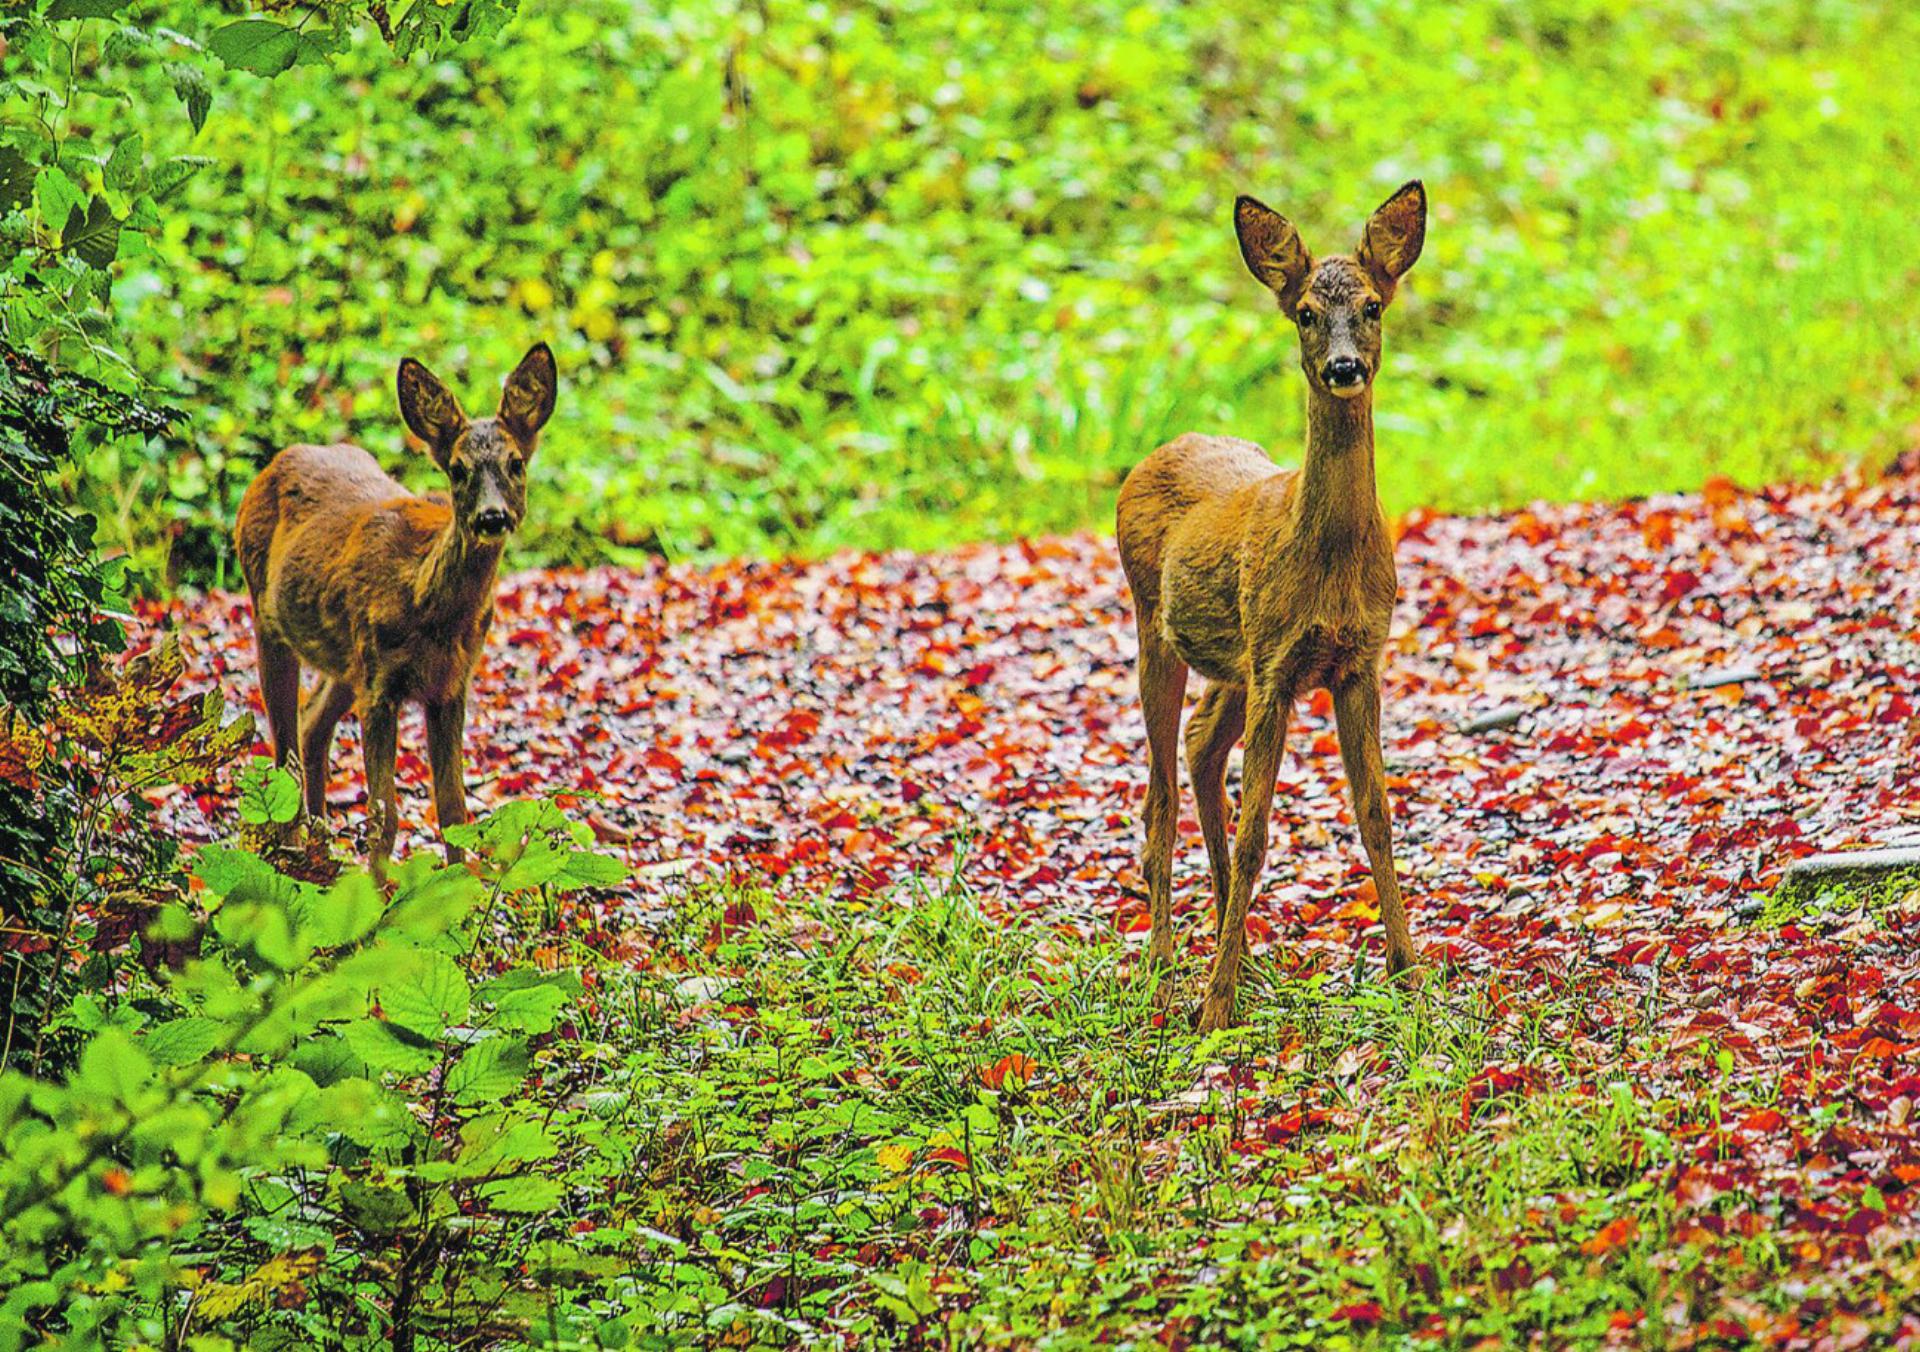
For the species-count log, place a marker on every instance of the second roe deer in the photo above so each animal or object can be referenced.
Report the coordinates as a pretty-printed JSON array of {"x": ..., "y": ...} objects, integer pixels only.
[
  {"x": 1271, "y": 582},
  {"x": 387, "y": 596}
]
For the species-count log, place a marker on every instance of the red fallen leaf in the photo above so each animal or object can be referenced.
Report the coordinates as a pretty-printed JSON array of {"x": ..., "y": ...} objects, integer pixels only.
[
  {"x": 117, "y": 1181},
  {"x": 1365, "y": 1313},
  {"x": 1616, "y": 1234},
  {"x": 1766, "y": 1119},
  {"x": 948, "y": 1155},
  {"x": 1014, "y": 1069}
]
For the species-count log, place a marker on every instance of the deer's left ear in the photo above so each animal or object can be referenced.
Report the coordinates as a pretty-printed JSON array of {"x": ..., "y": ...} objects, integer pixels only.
[
  {"x": 1394, "y": 234},
  {"x": 527, "y": 401}
]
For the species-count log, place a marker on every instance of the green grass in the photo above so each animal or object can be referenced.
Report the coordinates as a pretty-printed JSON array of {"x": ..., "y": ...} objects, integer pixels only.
[
  {"x": 828, "y": 1154},
  {"x": 896, "y": 273}
]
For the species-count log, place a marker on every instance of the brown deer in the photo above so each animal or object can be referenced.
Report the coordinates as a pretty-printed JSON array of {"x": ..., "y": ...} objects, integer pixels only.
[
  {"x": 387, "y": 596},
  {"x": 1271, "y": 582}
]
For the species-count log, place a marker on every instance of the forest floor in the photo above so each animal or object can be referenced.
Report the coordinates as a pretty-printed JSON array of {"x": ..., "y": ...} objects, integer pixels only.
[{"x": 883, "y": 811}]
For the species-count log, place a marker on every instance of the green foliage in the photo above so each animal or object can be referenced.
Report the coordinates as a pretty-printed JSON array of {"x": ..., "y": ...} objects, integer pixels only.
[
  {"x": 319, "y": 1126},
  {"x": 904, "y": 273}
]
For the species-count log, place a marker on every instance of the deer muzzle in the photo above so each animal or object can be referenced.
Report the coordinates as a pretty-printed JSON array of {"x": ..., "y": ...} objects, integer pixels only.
[{"x": 1344, "y": 375}]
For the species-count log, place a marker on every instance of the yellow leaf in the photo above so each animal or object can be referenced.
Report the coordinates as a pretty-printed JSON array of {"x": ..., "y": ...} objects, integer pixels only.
[{"x": 895, "y": 1158}]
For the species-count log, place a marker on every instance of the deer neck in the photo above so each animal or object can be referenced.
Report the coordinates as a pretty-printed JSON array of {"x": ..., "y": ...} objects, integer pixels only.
[
  {"x": 1339, "y": 505},
  {"x": 457, "y": 576}
]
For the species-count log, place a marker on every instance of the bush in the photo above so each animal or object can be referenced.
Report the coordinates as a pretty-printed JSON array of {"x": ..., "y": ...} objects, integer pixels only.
[{"x": 314, "y": 1132}]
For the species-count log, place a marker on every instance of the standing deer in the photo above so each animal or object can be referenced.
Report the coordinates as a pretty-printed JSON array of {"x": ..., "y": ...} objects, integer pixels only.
[
  {"x": 1270, "y": 582},
  {"x": 387, "y": 595}
]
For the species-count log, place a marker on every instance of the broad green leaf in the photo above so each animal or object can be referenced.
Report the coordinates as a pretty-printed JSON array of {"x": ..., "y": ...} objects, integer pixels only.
[
  {"x": 385, "y": 1046},
  {"x": 489, "y": 1070},
  {"x": 112, "y": 1068},
  {"x": 525, "y": 1192},
  {"x": 16, "y": 178},
  {"x": 190, "y": 86},
  {"x": 427, "y": 995},
  {"x": 84, "y": 9},
  {"x": 182, "y": 1041},
  {"x": 268, "y": 794},
  {"x": 124, "y": 166},
  {"x": 263, "y": 47},
  {"x": 532, "y": 1010},
  {"x": 93, "y": 234},
  {"x": 58, "y": 197},
  {"x": 344, "y": 914}
]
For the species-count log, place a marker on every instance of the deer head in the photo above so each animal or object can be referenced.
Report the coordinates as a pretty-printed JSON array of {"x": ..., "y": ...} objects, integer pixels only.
[
  {"x": 1337, "y": 302},
  {"x": 485, "y": 459}
]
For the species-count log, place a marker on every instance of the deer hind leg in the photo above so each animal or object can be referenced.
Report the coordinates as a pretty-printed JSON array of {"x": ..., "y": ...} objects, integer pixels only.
[
  {"x": 380, "y": 732},
  {"x": 446, "y": 727},
  {"x": 1215, "y": 726},
  {"x": 280, "y": 692},
  {"x": 1268, "y": 712},
  {"x": 1356, "y": 708},
  {"x": 325, "y": 705},
  {"x": 1163, "y": 686}
]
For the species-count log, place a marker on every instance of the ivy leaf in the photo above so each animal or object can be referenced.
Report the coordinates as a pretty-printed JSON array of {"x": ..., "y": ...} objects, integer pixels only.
[
  {"x": 490, "y": 1070},
  {"x": 190, "y": 85}
]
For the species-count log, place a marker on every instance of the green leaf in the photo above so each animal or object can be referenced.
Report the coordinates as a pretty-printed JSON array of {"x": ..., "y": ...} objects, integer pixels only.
[
  {"x": 429, "y": 993},
  {"x": 172, "y": 173},
  {"x": 190, "y": 86},
  {"x": 359, "y": 1110},
  {"x": 533, "y": 1010},
  {"x": 93, "y": 234},
  {"x": 385, "y": 1046},
  {"x": 490, "y": 1070},
  {"x": 83, "y": 9},
  {"x": 344, "y": 914},
  {"x": 182, "y": 1041},
  {"x": 112, "y": 1068},
  {"x": 123, "y": 169},
  {"x": 58, "y": 198},
  {"x": 525, "y": 1192},
  {"x": 268, "y": 794},
  {"x": 262, "y": 47},
  {"x": 16, "y": 178}
]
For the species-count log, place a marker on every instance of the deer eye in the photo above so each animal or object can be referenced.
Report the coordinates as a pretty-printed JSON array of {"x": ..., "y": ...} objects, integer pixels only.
[
  {"x": 516, "y": 466},
  {"x": 1371, "y": 309},
  {"x": 1306, "y": 317}
]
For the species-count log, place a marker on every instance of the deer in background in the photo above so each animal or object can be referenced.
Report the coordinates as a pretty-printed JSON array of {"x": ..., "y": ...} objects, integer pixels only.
[
  {"x": 387, "y": 596},
  {"x": 1271, "y": 582}
]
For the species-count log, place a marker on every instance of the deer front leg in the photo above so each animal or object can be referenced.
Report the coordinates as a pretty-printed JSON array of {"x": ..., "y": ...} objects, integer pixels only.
[
  {"x": 1215, "y": 726},
  {"x": 446, "y": 729},
  {"x": 1356, "y": 708},
  {"x": 1268, "y": 711},
  {"x": 1163, "y": 685},
  {"x": 380, "y": 731},
  {"x": 326, "y": 704}
]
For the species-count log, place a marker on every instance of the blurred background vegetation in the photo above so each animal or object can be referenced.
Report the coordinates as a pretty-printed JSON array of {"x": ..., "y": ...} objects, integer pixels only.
[{"x": 891, "y": 273}]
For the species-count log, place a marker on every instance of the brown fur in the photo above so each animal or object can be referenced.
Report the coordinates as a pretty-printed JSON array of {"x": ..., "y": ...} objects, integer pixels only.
[
  {"x": 387, "y": 596},
  {"x": 1271, "y": 582}
]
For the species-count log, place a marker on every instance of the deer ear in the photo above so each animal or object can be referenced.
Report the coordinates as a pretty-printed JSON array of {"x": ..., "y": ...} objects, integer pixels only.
[
  {"x": 431, "y": 411},
  {"x": 1391, "y": 241},
  {"x": 1272, "y": 248},
  {"x": 527, "y": 401}
]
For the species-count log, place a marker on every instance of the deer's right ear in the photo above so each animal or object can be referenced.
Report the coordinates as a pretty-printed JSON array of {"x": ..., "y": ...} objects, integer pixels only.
[
  {"x": 1272, "y": 248},
  {"x": 431, "y": 411}
]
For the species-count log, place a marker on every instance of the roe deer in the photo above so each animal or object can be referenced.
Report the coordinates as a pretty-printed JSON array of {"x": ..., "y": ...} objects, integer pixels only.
[
  {"x": 1270, "y": 582},
  {"x": 387, "y": 596}
]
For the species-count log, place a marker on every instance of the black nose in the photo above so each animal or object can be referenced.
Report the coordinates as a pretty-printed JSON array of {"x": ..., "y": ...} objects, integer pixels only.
[
  {"x": 493, "y": 521},
  {"x": 1345, "y": 371}
]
